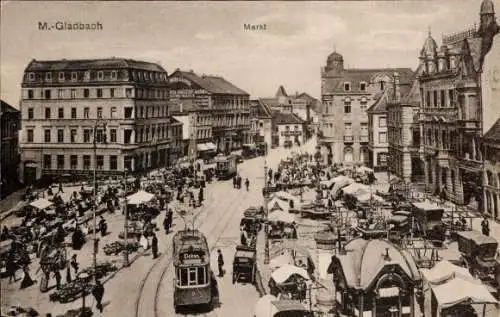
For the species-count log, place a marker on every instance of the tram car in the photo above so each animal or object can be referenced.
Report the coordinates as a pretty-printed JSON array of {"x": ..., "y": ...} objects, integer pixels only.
[{"x": 194, "y": 283}]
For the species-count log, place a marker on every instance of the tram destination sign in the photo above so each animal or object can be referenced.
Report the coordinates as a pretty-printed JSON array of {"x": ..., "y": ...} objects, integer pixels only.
[{"x": 191, "y": 257}]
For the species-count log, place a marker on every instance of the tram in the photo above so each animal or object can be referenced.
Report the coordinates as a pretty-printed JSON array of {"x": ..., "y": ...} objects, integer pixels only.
[{"x": 194, "y": 282}]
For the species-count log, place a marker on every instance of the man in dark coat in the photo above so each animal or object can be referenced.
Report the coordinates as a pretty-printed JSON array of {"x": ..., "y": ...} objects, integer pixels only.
[
  {"x": 220, "y": 263},
  {"x": 200, "y": 195},
  {"x": 154, "y": 246},
  {"x": 485, "y": 226},
  {"x": 98, "y": 293}
]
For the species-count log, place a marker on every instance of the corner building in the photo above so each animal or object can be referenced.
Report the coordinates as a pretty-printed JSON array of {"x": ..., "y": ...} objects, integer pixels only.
[
  {"x": 111, "y": 114},
  {"x": 346, "y": 94}
]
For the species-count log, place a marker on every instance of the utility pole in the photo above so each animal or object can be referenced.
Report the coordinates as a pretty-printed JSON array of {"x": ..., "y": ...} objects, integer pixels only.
[
  {"x": 125, "y": 225},
  {"x": 266, "y": 210},
  {"x": 94, "y": 210}
]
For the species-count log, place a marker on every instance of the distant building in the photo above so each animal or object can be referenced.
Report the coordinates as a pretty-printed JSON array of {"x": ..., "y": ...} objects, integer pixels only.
[
  {"x": 67, "y": 106},
  {"x": 262, "y": 122},
  {"x": 187, "y": 143},
  {"x": 491, "y": 177},
  {"x": 404, "y": 132},
  {"x": 376, "y": 131},
  {"x": 452, "y": 113},
  {"x": 289, "y": 129},
  {"x": 222, "y": 110},
  {"x": 346, "y": 94},
  {"x": 177, "y": 146},
  {"x": 10, "y": 119}
]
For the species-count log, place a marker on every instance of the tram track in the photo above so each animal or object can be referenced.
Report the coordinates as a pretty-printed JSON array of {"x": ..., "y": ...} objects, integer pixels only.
[{"x": 168, "y": 260}]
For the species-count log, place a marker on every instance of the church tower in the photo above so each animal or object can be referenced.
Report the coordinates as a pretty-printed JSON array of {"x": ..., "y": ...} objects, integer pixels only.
[{"x": 488, "y": 27}]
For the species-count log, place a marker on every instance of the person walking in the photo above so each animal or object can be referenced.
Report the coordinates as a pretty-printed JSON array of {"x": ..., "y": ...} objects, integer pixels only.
[
  {"x": 220, "y": 263},
  {"x": 166, "y": 224},
  {"x": 27, "y": 281},
  {"x": 11, "y": 268},
  {"x": 485, "y": 226},
  {"x": 247, "y": 183},
  {"x": 98, "y": 293},
  {"x": 200, "y": 196},
  {"x": 103, "y": 226},
  {"x": 234, "y": 181},
  {"x": 154, "y": 246},
  {"x": 57, "y": 275},
  {"x": 74, "y": 263}
]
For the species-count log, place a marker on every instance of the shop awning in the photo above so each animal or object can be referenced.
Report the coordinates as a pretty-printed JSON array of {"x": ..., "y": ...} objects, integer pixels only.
[
  {"x": 210, "y": 146},
  {"x": 283, "y": 273},
  {"x": 41, "y": 203},
  {"x": 458, "y": 290},
  {"x": 201, "y": 147},
  {"x": 141, "y": 197}
]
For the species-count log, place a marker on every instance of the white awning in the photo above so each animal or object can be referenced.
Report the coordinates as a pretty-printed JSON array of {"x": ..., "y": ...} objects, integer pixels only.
[
  {"x": 41, "y": 203},
  {"x": 141, "y": 197},
  {"x": 210, "y": 146},
  {"x": 201, "y": 147}
]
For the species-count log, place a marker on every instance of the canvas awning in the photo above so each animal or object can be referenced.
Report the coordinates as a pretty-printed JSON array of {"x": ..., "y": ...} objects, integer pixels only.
[
  {"x": 41, "y": 203},
  {"x": 356, "y": 188},
  {"x": 459, "y": 290},
  {"x": 444, "y": 270},
  {"x": 280, "y": 215},
  {"x": 201, "y": 147},
  {"x": 210, "y": 146},
  {"x": 283, "y": 273},
  {"x": 141, "y": 197},
  {"x": 277, "y": 204},
  {"x": 281, "y": 260}
]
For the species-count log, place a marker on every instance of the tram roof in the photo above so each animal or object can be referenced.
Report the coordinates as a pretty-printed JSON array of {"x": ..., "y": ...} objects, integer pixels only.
[{"x": 190, "y": 239}]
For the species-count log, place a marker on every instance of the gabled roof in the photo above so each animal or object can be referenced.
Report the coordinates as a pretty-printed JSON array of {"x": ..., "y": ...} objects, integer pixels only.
[
  {"x": 356, "y": 76},
  {"x": 174, "y": 121},
  {"x": 281, "y": 92},
  {"x": 493, "y": 134},
  {"x": 212, "y": 84},
  {"x": 270, "y": 102},
  {"x": 8, "y": 108},
  {"x": 305, "y": 95},
  {"x": 85, "y": 64},
  {"x": 286, "y": 118},
  {"x": 263, "y": 110},
  {"x": 382, "y": 98},
  {"x": 411, "y": 95}
]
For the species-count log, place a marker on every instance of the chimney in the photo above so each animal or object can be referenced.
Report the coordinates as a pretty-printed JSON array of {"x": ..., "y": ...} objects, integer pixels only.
[{"x": 397, "y": 87}]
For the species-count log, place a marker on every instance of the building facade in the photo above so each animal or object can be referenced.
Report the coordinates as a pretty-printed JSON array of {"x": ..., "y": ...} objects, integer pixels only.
[
  {"x": 346, "y": 94},
  {"x": 491, "y": 176},
  {"x": 222, "y": 115},
  {"x": 111, "y": 114},
  {"x": 404, "y": 133},
  {"x": 377, "y": 132},
  {"x": 176, "y": 141},
  {"x": 262, "y": 123},
  {"x": 451, "y": 115},
  {"x": 289, "y": 129},
  {"x": 10, "y": 123}
]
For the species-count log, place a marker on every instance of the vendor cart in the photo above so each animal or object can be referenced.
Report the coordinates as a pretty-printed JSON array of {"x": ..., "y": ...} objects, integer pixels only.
[
  {"x": 427, "y": 218},
  {"x": 244, "y": 264}
]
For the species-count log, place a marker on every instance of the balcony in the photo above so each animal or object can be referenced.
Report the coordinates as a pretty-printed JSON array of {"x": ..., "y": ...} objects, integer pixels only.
[
  {"x": 364, "y": 139},
  {"x": 470, "y": 165},
  {"x": 348, "y": 138}
]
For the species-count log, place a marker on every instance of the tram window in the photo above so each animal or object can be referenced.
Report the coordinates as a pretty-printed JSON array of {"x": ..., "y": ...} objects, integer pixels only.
[
  {"x": 201, "y": 275},
  {"x": 192, "y": 276},
  {"x": 184, "y": 277}
]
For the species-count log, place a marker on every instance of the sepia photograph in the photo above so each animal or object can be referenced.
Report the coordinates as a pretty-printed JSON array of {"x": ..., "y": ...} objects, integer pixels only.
[{"x": 250, "y": 158}]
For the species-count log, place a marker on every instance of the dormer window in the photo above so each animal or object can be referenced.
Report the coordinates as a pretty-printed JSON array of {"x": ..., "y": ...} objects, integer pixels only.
[
  {"x": 74, "y": 76},
  {"x": 48, "y": 76},
  {"x": 362, "y": 86},
  {"x": 61, "y": 76},
  {"x": 347, "y": 86},
  {"x": 113, "y": 74},
  {"x": 31, "y": 76},
  {"x": 382, "y": 85},
  {"x": 100, "y": 75},
  {"x": 86, "y": 76}
]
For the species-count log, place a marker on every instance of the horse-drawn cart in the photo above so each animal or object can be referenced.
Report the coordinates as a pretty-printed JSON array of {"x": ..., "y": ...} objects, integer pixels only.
[{"x": 244, "y": 264}]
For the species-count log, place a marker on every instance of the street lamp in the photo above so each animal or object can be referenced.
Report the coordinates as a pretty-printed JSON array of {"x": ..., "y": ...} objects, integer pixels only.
[
  {"x": 266, "y": 210},
  {"x": 125, "y": 229}
]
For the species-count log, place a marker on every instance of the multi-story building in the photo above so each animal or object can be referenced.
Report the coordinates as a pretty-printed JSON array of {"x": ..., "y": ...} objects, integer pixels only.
[
  {"x": 492, "y": 171},
  {"x": 404, "y": 132},
  {"x": 222, "y": 112},
  {"x": 111, "y": 114},
  {"x": 305, "y": 106},
  {"x": 451, "y": 114},
  {"x": 176, "y": 140},
  {"x": 346, "y": 94},
  {"x": 10, "y": 119},
  {"x": 262, "y": 122},
  {"x": 289, "y": 128},
  {"x": 376, "y": 131}
]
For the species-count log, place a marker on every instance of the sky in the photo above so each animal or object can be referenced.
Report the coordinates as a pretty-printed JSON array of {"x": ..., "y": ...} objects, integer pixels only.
[{"x": 209, "y": 37}]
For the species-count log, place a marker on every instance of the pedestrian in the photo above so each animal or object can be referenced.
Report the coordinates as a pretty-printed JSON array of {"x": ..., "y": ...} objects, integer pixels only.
[
  {"x": 247, "y": 183},
  {"x": 60, "y": 188},
  {"x": 170, "y": 218},
  {"x": 200, "y": 196},
  {"x": 74, "y": 263},
  {"x": 154, "y": 246},
  {"x": 103, "y": 226},
  {"x": 57, "y": 275},
  {"x": 234, "y": 181},
  {"x": 243, "y": 238},
  {"x": 98, "y": 293},
  {"x": 220, "y": 263},
  {"x": 27, "y": 281},
  {"x": 166, "y": 224},
  {"x": 485, "y": 226}
]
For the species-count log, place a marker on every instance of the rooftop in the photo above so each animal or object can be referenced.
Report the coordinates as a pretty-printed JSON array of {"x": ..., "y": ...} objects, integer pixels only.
[
  {"x": 7, "y": 108},
  {"x": 212, "y": 84},
  {"x": 86, "y": 64},
  {"x": 286, "y": 118},
  {"x": 493, "y": 134}
]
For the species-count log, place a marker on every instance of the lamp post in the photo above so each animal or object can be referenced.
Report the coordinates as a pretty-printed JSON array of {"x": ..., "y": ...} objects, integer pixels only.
[
  {"x": 125, "y": 225},
  {"x": 266, "y": 210}
]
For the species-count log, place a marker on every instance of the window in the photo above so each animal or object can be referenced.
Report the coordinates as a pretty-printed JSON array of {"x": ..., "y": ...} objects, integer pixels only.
[
  {"x": 86, "y": 92},
  {"x": 60, "y": 113},
  {"x": 100, "y": 75},
  {"x": 382, "y": 122},
  {"x": 127, "y": 136},
  {"x": 382, "y": 159},
  {"x": 382, "y": 137},
  {"x": 73, "y": 93},
  {"x": 113, "y": 74},
  {"x": 364, "y": 128},
  {"x": 128, "y": 92},
  {"x": 30, "y": 113},
  {"x": 451, "y": 102},
  {"x": 113, "y": 112},
  {"x": 60, "y": 135},
  {"x": 99, "y": 136},
  {"x": 347, "y": 107},
  {"x": 442, "y": 101},
  {"x": 46, "y": 135},
  {"x": 73, "y": 162},
  {"x": 99, "y": 93},
  {"x": 61, "y": 76},
  {"x": 47, "y": 94},
  {"x": 60, "y": 162},
  {"x": 347, "y": 86},
  {"x": 47, "y": 113},
  {"x": 435, "y": 103},
  {"x": 86, "y": 111},
  {"x": 86, "y": 136},
  {"x": 74, "y": 76},
  {"x": 100, "y": 162},
  {"x": 60, "y": 93},
  {"x": 47, "y": 161},
  {"x": 30, "y": 135},
  {"x": 348, "y": 128},
  {"x": 31, "y": 76},
  {"x": 73, "y": 135},
  {"x": 112, "y": 93},
  {"x": 48, "y": 76},
  {"x": 113, "y": 135},
  {"x": 382, "y": 85},
  {"x": 362, "y": 86},
  {"x": 73, "y": 113},
  {"x": 128, "y": 112},
  {"x": 30, "y": 94},
  {"x": 99, "y": 112},
  {"x": 86, "y": 162},
  {"x": 113, "y": 162}
]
